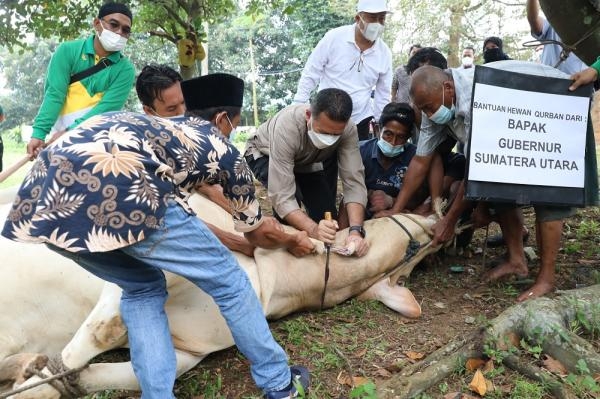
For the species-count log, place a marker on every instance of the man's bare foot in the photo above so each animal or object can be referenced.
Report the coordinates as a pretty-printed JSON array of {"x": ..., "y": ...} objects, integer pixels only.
[
  {"x": 518, "y": 269},
  {"x": 536, "y": 290}
]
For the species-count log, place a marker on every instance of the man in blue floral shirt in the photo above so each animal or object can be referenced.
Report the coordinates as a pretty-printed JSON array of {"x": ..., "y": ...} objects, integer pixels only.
[{"x": 111, "y": 195}]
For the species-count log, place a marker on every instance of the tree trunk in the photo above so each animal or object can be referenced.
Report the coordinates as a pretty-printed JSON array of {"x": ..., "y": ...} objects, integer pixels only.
[
  {"x": 543, "y": 321},
  {"x": 457, "y": 12},
  {"x": 187, "y": 72}
]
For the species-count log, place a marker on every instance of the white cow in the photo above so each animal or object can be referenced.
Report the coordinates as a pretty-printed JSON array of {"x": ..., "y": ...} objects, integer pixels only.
[{"x": 46, "y": 298}]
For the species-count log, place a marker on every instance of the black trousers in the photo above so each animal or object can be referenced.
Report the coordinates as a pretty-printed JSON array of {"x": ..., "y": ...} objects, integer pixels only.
[
  {"x": 363, "y": 128},
  {"x": 1, "y": 152},
  {"x": 316, "y": 191}
]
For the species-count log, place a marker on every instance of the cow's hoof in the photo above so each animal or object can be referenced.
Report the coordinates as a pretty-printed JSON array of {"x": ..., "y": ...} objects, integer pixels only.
[{"x": 18, "y": 368}]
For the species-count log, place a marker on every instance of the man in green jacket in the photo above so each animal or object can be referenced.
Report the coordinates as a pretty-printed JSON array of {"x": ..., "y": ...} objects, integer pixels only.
[{"x": 66, "y": 102}]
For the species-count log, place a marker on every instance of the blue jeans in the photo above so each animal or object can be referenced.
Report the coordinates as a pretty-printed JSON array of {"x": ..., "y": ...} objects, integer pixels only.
[{"x": 186, "y": 247}]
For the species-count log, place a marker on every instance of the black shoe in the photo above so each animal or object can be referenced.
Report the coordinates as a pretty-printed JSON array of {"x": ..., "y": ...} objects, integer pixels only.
[
  {"x": 300, "y": 378},
  {"x": 497, "y": 240}
]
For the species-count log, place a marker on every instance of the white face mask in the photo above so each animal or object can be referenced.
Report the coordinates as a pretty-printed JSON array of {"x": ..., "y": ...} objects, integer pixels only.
[
  {"x": 467, "y": 61},
  {"x": 321, "y": 140},
  {"x": 166, "y": 117},
  {"x": 111, "y": 41},
  {"x": 372, "y": 30},
  {"x": 233, "y": 131}
]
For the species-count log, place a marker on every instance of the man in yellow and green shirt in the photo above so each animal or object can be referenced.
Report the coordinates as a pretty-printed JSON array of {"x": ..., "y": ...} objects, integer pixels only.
[{"x": 66, "y": 104}]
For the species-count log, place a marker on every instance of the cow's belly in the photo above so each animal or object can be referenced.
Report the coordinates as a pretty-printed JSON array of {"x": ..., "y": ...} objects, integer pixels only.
[
  {"x": 45, "y": 297},
  {"x": 7, "y": 195},
  {"x": 195, "y": 321}
]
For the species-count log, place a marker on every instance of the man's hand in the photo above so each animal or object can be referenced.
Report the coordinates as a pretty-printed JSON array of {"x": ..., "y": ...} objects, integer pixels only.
[
  {"x": 584, "y": 77},
  {"x": 302, "y": 246},
  {"x": 380, "y": 201},
  {"x": 361, "y": 246},
  {"x": 272, "y": 223},
  {"x": 34, "y": 147},
  {"x": 442, "y": 231},
  {"x": 325, "y": 231}
]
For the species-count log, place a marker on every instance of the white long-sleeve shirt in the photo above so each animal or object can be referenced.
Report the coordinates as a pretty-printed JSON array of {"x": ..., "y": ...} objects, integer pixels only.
[{"x": 338, "y": 62}]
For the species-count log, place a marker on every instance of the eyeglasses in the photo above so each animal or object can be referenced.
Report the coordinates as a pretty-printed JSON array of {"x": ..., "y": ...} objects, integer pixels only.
[
  {"x": 115, "y": 26},
  {"x": 360, "y": 60}
]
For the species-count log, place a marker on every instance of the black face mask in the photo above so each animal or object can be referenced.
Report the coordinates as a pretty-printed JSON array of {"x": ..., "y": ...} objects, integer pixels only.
[{"x": 493, "y": 54}]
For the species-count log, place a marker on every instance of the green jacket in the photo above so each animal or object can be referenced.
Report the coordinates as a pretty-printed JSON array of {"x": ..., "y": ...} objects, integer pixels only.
[
  {"x": 596, "y": 65},
  {"x": 65, "y": 105}
]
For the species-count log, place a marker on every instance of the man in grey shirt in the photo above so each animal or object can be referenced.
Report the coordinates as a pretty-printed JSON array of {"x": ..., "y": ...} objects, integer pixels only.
[
  {"x": 401, "y": 80},
  {"x": 297, "y": 153},
  {"x": 444, "y": 97}
]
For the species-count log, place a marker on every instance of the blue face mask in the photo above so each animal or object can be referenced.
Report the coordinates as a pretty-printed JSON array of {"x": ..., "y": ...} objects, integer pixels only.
[
  {"x": 389, "y": 150},
  {"x": 443, "y": 114}
]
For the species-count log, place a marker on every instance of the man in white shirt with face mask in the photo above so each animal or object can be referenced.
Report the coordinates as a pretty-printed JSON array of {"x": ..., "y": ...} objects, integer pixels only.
[
  {"x": 297, "y": 153},
  {"x": 468, "y": 58},
  {"x": 355, "y": 59}
]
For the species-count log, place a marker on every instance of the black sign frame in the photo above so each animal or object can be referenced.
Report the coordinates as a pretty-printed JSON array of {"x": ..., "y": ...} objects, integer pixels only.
[{"x": 520, "y": 193}]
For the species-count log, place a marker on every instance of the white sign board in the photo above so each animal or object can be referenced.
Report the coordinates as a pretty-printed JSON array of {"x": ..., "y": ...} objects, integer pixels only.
[{"x": 524, "y": 137}]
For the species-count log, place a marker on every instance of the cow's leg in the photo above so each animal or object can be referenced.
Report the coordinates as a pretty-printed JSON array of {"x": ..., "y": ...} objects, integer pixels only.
[
  {"x": 394, "y": 296},
  {"x": 103, "y": 376},
  {"x": 101, "y": 331}
]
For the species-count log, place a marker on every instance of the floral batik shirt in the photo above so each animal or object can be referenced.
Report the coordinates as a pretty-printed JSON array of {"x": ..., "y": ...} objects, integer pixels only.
[{"x": 106, "y": 184}]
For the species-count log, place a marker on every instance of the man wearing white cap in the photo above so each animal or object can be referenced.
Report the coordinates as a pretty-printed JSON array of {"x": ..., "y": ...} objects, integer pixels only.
[{"x": 353, "y": 58}]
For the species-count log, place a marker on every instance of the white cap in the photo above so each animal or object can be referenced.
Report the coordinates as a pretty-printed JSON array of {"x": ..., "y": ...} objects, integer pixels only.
[{"x": 372, "y": 6}]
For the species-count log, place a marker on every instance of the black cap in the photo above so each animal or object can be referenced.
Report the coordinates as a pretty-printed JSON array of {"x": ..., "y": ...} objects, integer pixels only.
[
  {"x": 213, "y": 90},
  {"x": 114, "y": 8}
]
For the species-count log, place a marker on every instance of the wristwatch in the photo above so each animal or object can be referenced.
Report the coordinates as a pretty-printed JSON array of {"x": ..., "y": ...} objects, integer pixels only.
[{"x": 359, "y": 229}]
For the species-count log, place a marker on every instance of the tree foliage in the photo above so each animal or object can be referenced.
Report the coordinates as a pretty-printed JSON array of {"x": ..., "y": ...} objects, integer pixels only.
[
  {"x": 48, "y": 18},
  {"x": 452, "y": 24},
  {"x": 270, "y": 50},
  {"x": 25, "y": 82}
]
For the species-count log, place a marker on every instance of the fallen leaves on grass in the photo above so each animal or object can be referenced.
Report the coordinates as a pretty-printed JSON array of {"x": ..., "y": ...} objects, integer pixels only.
[
  {"x": 474, "y": 364},
  {"x": 479, "y": 384},
  {"x": 554, "y": 366},
  {"x": 458, "y": 395},
  {"x": 344, "y": 378},
  {"x": 412, "y": 355}
]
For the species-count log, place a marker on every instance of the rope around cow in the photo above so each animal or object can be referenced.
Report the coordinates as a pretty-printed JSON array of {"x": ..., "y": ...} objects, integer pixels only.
[{"x": 64, "y": 380}]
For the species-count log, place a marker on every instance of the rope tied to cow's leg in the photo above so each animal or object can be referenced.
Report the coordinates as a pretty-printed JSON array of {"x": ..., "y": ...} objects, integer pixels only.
[
  {"x": 64, "y": 380},
  {"x": 68, "y": 382}
]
